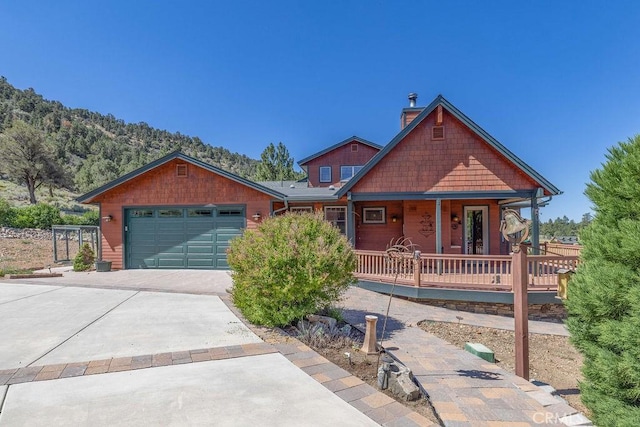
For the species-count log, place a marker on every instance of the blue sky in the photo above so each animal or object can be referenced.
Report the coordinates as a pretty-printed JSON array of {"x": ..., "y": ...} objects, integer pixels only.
[{"x": 557, "y": 82}]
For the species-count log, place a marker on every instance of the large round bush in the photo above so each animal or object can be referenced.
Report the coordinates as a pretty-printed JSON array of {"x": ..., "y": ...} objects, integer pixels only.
[{"x": 290, "y": 266}]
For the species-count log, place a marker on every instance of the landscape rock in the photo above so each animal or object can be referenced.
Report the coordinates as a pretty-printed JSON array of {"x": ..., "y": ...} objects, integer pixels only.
[
  {"x": 400, "y": 382},
  {"x": 329, "y": 321}
]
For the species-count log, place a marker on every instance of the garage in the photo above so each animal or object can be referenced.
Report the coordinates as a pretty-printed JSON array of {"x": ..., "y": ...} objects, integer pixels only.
[{"x": 175, "y": 237}]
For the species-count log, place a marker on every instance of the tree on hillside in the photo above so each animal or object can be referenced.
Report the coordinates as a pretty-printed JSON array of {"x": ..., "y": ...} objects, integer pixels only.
[
  {"x": 604, "y": 295},
  {"x": 78, "y": 134},
  {"x": 29, "y": 159},
  {"x": 276, "y": 164}
]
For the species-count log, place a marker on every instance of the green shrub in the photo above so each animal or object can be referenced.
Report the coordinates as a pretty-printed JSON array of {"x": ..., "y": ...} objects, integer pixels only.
[
  {"x": 87, "y": 218},
  {"x": 7, "y": 213},
  {"x": 36, "y": 216},
  {"x": 84, "y": 259},
  {"x": 604, "y": 295},
  {"x": 290, "y": 266}
]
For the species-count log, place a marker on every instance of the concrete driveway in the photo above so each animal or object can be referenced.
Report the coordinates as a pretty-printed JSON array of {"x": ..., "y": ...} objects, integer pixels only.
[{"x": 147, "y": 348}]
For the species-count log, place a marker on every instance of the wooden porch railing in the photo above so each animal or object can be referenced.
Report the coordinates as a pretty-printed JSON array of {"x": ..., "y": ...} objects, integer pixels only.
[{"x": 488, "y": 272}]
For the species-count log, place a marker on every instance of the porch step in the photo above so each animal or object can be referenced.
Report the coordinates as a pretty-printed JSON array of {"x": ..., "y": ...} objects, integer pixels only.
[{"x": 480, "y": 350}]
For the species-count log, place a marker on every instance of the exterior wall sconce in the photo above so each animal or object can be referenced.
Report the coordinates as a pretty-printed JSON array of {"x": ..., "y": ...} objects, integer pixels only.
[
  {"x": 394, "y": 218},
  {"x": 107, "y": 218},
  {"x": 455, "y": 220},
  {"x": 256, "y": 216}
]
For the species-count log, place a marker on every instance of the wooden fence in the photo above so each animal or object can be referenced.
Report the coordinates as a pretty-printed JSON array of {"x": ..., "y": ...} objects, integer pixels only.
[{"x": 560, "y": 249}]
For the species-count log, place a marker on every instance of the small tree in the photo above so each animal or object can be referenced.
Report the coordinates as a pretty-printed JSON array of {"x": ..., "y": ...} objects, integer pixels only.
[
  {"x": 28, "y": 159},
  {"x": 604, "y": 295},
  {"x": 290, "y": 266},
  {"x": 84, "y": 259},
  {"x": 276, "y": 164}
]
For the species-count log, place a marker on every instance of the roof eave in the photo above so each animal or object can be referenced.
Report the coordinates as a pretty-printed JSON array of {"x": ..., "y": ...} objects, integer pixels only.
[
  {"x": 338, "y": 145},
  {"x": 90, "y": 196},
  {"x": 440, "y": 100}
]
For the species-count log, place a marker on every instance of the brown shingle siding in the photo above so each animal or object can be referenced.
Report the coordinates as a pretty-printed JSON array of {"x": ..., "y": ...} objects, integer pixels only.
[
  {"x": 341, "y": 156},
  {"x": 460, "y": 162}
]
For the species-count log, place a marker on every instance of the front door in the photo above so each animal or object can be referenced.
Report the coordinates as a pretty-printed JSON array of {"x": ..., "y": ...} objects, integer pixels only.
[{"x": 476, "y": 230}]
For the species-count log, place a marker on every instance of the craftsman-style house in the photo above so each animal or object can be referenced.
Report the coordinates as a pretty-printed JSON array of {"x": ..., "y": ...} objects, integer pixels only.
[{"x": 442, "y": 181}]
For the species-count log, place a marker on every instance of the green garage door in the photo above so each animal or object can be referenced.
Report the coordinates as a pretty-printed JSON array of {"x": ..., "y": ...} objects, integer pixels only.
[{"x": 177, "y": 237}]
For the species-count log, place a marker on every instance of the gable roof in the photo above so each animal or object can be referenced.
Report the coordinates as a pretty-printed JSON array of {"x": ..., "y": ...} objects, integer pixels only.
[
  {"x": 338, "y": 145},
  {"x": 440, "y": 100},
  {"x": 86, "y": 198}
]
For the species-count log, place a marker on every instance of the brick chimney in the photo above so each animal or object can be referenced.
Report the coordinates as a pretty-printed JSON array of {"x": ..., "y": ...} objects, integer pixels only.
[{"x": 411, "y": 112}]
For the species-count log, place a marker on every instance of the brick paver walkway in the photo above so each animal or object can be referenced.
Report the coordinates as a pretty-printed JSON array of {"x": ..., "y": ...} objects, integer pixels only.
[
  {"x": 464, "y": 389},
  {"x": 118, "y": 364}
]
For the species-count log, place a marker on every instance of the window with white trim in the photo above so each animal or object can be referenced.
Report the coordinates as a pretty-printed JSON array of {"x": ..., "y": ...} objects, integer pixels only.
[
  {"x": 301, "y": 209},
  {"x": 374, "y": 215},
  {"x": 347, "y": 172},
  {"x": 337, "y": 215},
  {"x": 325, "y": 173}
]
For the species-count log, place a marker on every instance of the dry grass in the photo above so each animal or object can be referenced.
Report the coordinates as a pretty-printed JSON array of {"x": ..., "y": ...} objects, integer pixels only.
[{"x": 27, "y": 254}]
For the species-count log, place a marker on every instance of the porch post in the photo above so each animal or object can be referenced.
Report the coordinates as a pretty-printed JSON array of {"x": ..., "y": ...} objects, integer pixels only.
[
  {"x": 535, "y": 225},
  {"x": 521, "y": 310},
  {"x": 438, "y": 226},
  {"x": 351, "y": 229}
]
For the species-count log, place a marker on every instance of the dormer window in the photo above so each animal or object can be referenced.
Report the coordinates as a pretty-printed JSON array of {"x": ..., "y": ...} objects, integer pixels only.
[
  {"x": 347, "y": 172},
  {"x": 325, "y": 173}
]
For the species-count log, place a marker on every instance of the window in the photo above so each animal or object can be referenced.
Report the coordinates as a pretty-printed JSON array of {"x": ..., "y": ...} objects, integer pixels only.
[
  {"x": 347, "y": 172},
  {"x": 199, "y": 212},
  {"x": 325, "y": 173},
  {"x": 337, "y": 215},
  {"x": 354, "y": 148},
  {"x": 230, "y": 212},
  {"x": 373, "y": 215},
  {"x": 301, "y": 209},
  {"x": 141, "y": 213},
  {"x": 169, "y": 213}
]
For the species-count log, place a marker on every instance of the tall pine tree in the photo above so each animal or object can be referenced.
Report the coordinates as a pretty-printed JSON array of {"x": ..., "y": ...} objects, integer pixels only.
[
  {"x": 276, "y": 164},
  {"x": 604, "y": 295}
]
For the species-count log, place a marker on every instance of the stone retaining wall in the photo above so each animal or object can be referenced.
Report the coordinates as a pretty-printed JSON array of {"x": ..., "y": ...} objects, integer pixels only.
[
  {"x": 35, "y": 234},
  {"x": 547, "y": 312},
  {"x": 25, "y": 233}
]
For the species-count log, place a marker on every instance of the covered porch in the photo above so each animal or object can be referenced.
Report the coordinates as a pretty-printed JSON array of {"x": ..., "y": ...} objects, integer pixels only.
[{"x": 456, "y": 223}]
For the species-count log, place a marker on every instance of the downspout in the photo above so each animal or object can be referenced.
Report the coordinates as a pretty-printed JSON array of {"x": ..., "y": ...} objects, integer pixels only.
[
  {"x": 535, "y": 219},
  {"x": 351, "y": 229},
  {"x": 286, "y": 207}
]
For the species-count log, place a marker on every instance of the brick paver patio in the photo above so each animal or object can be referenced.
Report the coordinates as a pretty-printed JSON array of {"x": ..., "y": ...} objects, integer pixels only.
[{"x": 464, "y": 389}]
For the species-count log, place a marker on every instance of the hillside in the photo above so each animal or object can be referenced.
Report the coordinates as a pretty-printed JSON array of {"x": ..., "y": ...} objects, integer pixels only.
[{"x": 96, "y": 148}]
